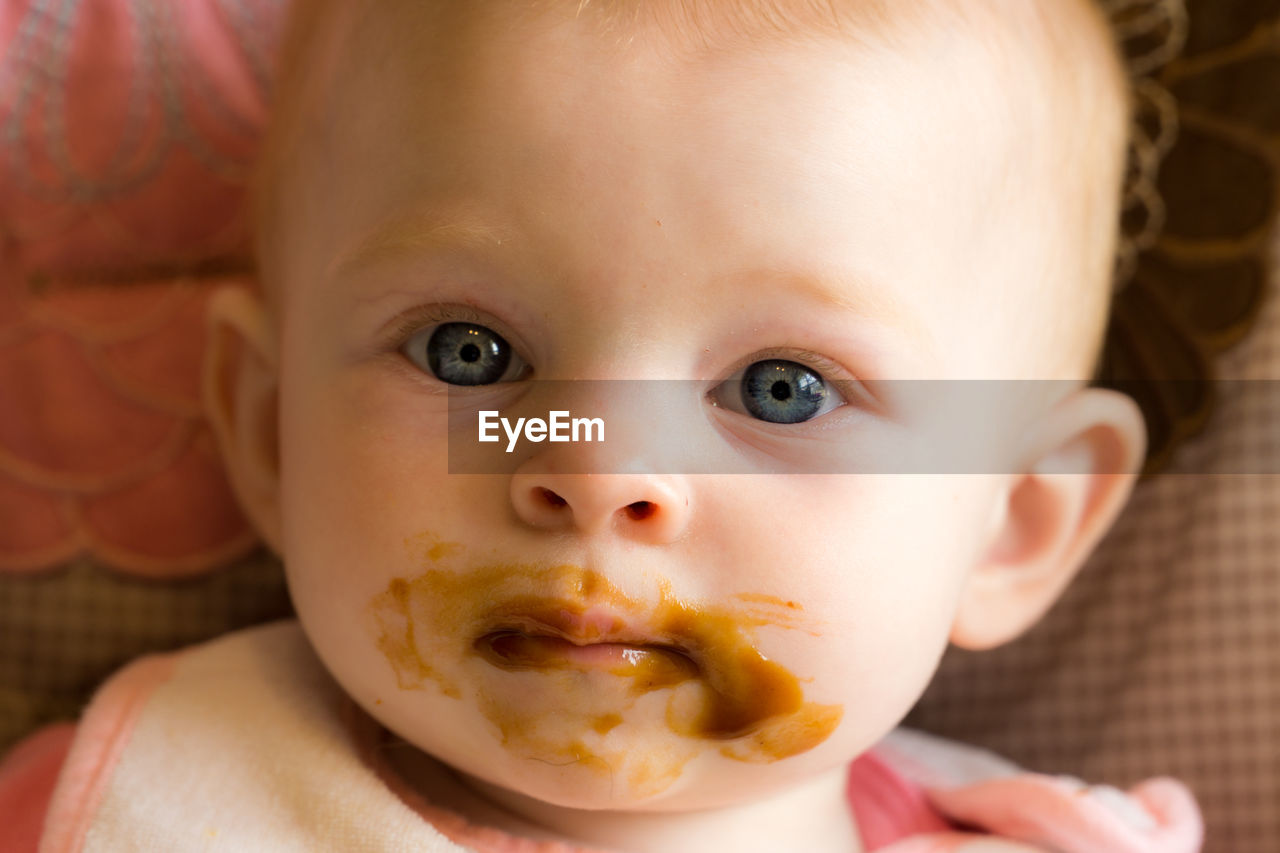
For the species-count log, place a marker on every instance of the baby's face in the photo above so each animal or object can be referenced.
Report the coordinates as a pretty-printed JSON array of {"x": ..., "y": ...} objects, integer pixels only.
[{"x": 640, "y": 638}]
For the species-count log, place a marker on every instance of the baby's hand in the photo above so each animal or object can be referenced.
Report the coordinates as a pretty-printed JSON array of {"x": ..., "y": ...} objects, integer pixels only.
[{"x": 959, "y": 842}]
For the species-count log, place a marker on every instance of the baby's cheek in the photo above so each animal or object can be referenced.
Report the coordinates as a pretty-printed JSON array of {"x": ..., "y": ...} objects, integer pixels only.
[{"x": 887, "y": 622}]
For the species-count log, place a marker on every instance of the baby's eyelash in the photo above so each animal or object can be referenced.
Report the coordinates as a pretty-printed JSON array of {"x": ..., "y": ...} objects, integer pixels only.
[
  {"x": 824, "y": 366},
  {"x": 830, "y": 370},
  {"x": 424, "y": 316}
]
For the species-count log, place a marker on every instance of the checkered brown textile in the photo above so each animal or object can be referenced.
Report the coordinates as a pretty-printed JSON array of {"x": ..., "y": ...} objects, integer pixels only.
[{"x": 64, "y": 631}]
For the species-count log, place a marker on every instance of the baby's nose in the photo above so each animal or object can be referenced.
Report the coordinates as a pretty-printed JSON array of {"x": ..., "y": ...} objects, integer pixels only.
[{"x": 644, "y": 507}]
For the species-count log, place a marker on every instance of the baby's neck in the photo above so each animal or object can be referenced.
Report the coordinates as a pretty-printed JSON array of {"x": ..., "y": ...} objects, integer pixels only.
[{"x": 814, "y": 816}]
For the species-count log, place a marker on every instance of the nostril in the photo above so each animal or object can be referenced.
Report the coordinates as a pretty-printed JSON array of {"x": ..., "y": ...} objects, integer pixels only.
[
  {"x": 640, "y": 510},
  {"x": 549, "y": 497}
]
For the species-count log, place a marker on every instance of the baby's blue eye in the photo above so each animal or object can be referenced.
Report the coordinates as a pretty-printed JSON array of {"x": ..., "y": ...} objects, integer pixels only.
[
  {"x": 467, "y": 354},
  {"x": 783, "y": 392}
]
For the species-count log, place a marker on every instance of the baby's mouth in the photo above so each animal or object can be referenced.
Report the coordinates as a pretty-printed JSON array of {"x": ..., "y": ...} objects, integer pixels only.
[
  {"x": 573, "y": 623},
  {"x": 557, "y": 638}
]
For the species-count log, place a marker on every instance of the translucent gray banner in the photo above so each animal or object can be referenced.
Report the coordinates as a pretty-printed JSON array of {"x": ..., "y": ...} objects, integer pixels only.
[{"x": 923, "y": 427}]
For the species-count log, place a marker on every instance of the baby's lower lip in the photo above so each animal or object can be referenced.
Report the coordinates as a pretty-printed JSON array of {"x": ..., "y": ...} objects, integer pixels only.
[{"x": 652, "y": 665}]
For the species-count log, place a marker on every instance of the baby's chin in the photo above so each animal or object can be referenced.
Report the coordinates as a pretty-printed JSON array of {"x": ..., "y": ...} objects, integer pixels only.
[
  {"x": 658, "y": 778},
  {"x": 636, "y": 765}
]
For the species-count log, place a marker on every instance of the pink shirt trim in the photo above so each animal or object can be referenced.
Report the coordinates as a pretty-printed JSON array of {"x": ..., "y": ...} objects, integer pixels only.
[
  {"x": 27, "y": 777},
  {"x": 886, "y": 806},
  {"x": 103, "y": 734}
]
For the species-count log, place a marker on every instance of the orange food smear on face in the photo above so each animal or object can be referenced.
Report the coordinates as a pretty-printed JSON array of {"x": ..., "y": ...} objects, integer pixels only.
[
  {"x": 521, "y": 622},
  {"x": 442, "y": 549},
  {"x": 606, "y": 723}
]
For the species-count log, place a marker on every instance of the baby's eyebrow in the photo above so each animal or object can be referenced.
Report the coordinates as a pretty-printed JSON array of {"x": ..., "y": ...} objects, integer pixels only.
[
  {"x": 866, "y": 310},
  {"x": 857, "y": 297},
  {"x": 416, "y": 232}
]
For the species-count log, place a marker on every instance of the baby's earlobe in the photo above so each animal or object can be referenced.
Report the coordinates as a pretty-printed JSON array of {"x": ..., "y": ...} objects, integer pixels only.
[{"x": 1085, "y": 455}]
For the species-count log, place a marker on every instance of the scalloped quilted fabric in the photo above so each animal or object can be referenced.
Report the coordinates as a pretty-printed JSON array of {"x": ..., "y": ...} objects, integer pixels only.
[{"x": 127, "y": 132}]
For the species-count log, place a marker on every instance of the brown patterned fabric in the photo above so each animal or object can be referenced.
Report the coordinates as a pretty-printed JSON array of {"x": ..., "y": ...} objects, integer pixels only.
[
  {"x": 63, "y": 632},
  {"x": 1200, "y": 282}
]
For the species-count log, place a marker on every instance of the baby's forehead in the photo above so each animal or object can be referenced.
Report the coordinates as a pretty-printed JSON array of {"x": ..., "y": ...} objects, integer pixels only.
[
  {"x": 1013, "y": 30},
  {"x": 1022, "y": 63},
  {"x": 1045, "y": 71},
  {"x": 994, "y": 77},
  {"x": 709, "y": 24}
]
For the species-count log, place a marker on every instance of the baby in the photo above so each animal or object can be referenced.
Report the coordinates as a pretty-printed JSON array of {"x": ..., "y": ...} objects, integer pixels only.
[{"x": 791, "y": 207}]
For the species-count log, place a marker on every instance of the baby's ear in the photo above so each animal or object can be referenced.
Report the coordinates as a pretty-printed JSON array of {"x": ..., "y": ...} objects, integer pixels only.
[
  {"x": 241, "y": 402},
  {"x": 1084, "y": 457}
]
